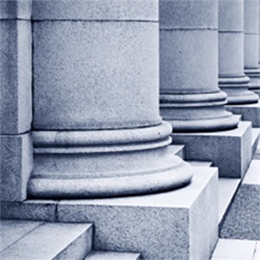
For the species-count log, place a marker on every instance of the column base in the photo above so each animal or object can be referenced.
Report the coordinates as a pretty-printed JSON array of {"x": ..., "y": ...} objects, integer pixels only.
[
  {"x": 105, "y": 163},
  {"x": 230, "y": 151},
  {"x": 254, "y": 75},
  {"x": 249, "y": 112},
  {"x": 197, "y": 112},
  {"x": 237, "y": 91},
  {"x": 135, "y": 223}
]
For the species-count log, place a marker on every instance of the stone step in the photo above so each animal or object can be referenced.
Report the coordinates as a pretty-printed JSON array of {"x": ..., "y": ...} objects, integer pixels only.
[
  {"x": 227, "y": 188},
  {"x": 229, "y": 249},
  {"x": 255, "y": 139},
  {"x": 200, "y": 163},
  {"x": 243, "y": 218},
  {"x": 14, "y": 230},
  {"x": 44, "y": 240},
  {"x": 181, "y": 211},
  {"x": 106, "y": 255},
  {"x": 178, "y": 150}
]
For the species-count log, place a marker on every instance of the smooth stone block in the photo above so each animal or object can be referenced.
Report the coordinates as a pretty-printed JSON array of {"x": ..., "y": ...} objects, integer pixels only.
[
  {"x": 249, "y": 112},
  {"x": 200, "y": 163},
  {"x": 188, "y": 14},
  {"x": 257, "y": 153},
  {"x": 231, "y": 16},
  {"x": 52, "y": 241},
  {"x": 243, "y": 219},
  {"x": 255, "y": 139},
  {"x": 16, "y": 166},
  {"x": 178, "y": 150},
  {"x": 15, "y": 9},
  {"x": 44, "y": 210},
  {"x": 142, "y": 10},
  {"x": 112, "y": 77},
  {"x": 134, "y": 224},
  {"x": 227, "y": 188},
  {"x": 14, "y": 230},
  {"x": 105, "y": 255},
  {"x": 16, "y": 76},
  {"x": 230, "y": 150},
  {"x": 257, "y": 251},
  {"x": 234, "y": 249}
]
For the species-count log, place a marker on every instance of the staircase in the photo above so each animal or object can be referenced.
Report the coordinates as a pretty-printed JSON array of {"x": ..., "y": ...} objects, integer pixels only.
[
  {"x": 31, "y": 240},
  {"x": 49, "y": 239}
]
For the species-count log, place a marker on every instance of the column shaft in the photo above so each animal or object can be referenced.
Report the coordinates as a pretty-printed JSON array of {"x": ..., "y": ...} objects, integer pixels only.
[
  {"x": 189, "y": 94},
  {"x": 232, "y": 79}
]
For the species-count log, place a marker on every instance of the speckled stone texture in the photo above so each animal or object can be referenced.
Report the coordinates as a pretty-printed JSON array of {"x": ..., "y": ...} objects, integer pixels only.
[
  {"x": 15, "y": 98},
  {"x": 15, "y": 68},
  {"x": 134, "y": 224},
  {"x": 93, "y": 68},
  {"x": 45, "y": 210},
  {"x": 232, "y": 79},
  {"x": 15, "y": 9},
  {"x": 230, "y": 151},
  {"x": 16, "y": 165},
  {"x": 101, "y": 72},
  {"x": 189, "y": 95},
  {"x": 97, "y": 128},
  {"x": 243, "y": 219},
  {"x": 250, "y": 112}
]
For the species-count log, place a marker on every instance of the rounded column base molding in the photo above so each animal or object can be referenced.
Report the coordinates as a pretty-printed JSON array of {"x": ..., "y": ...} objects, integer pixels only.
[
  {"x": 237, "y": 90},
  {"x": 105, "y": 163},
  {"x": 177, "y": 176},
  {"x": 254, "y": 75},
  {"x": 197, "y": 112}
]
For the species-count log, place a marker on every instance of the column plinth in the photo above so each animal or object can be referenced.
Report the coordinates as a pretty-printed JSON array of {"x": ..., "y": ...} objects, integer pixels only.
[
  {"x": 189, "y": 95},
  {"x": 97, "y": 129},
  {"x": 251, "y": 44}
]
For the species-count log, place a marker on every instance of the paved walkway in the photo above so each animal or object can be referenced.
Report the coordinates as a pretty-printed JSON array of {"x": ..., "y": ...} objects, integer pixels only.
[
  {"x": 231, "y": 249},
  {"x": 228, "y": 249}
]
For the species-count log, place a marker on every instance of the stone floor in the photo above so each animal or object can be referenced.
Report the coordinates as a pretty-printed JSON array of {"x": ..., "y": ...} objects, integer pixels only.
[
  {"x": 228, "y": 249},
  {"x": 234, "y": 249}
]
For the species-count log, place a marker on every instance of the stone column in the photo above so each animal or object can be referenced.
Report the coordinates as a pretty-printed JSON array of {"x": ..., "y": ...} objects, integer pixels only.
[
  {"x": 15, "y": 98},
  {"x": 189, "y": 94},
  {"x": 232, "y": 79},
  {"x": 251, "y": 58},
  {"x": 97, "y": 129},
  {"x": 190, "y": 97}
]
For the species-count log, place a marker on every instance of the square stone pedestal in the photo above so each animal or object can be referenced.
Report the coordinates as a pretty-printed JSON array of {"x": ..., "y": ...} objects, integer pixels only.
[
  {"x": 180, "y": 224},
  {"x": 230, "y": 151},
  {"x": 16, "y": 162},
  {"x": 243, "y": 219},
  {"x": 249, "y": 112}
]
